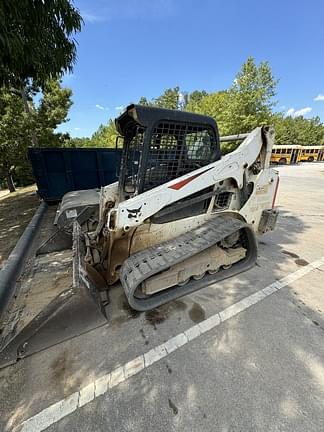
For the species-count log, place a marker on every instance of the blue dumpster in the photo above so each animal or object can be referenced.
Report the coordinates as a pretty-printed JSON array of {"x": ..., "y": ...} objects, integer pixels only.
[{"x": 61, "y": 170}]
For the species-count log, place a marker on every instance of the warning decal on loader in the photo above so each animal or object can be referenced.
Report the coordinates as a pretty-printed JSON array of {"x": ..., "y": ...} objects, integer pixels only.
[{"x": 182, "y": 183}]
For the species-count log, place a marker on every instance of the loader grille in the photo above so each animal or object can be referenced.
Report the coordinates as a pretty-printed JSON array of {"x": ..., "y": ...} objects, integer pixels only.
[
  {"x": 222, "y": 200},
  {"x": 169, "y": 150},
  {"x": 176, "y": 149}
]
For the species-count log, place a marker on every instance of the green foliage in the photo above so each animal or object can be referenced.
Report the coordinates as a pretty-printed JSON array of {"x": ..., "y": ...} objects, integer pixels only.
[
  {"x": 105, "y": 136},
  {"x": 169, "y": 99},
  {"x": 252, "y": 96},
  {"x": 298, "y": 130},
  {"x": 216, "y": 105},
  {"x": 194, "y": 99},
  {"x": 52, "y": 111},
  {"x": 15, "y": 128},
  {"x": 36, "y": 39},
  {"x": 36, "y": 45},
  {"x": 77, "y": 142},
  {"x": 248, "y": 103},
  {"x": 18, "y": 125},
  {"x": 144, "y": 101}
]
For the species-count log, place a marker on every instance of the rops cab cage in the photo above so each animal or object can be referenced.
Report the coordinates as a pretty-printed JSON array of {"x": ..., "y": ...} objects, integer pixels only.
[{"x": 160, "y": 145}]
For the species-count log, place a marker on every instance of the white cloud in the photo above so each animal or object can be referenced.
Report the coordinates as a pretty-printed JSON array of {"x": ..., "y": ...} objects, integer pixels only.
[
  {"x": 119, "y": 108},
  {"x": 319, "y": 97},
  {"x": 77, "y": 128},
  {"x": 92, "y": 18},
  {"x": 290, "y": 112},
  {"x": 102, "y": 108},
  {"x": 301, "y": 112},
  {"x": 130, "y": 9}
]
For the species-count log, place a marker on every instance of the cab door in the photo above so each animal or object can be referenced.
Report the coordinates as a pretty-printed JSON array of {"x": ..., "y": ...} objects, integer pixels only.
[
  {"x": 320, "y": 156},
  {"x": 294, "y": 156}
]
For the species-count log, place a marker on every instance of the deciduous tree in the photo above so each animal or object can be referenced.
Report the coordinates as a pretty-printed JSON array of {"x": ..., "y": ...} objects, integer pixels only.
[
  {"x": 51, "y": 112},
  {"x": 17, "y": 125},
  {"x": 298, "y": 130},
  {"x": 105, "y": 136},
  {"x": 14, "y": 132},
  {"x": 36, "y": 40},
  {"x": 251, "y": 97}
]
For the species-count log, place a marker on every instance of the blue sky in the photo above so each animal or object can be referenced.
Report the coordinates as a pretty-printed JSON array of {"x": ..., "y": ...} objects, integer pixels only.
[{"x": 133, "y": 48}]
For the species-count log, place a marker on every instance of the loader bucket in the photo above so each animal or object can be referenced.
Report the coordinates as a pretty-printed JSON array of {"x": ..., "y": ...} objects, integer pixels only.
[{"x": 77, "y": 309}]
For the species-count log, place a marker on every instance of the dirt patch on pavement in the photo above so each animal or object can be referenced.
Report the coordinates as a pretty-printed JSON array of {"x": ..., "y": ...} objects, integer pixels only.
[
  {"x": 16, "y": 210},
  {"x": 160, "y": 314},
  {"x": 197, "y": 313}
]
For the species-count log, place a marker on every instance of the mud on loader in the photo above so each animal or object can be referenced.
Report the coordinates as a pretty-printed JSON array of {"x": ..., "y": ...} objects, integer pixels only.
[{"x": 181, "y": 217}]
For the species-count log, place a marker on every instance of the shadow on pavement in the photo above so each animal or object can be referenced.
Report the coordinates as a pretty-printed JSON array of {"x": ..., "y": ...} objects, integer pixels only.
[{"x": 36, "y": 382}]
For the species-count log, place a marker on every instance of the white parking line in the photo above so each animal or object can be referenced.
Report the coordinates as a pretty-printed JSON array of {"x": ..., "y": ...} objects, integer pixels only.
[{"x": 68, "y": 405}]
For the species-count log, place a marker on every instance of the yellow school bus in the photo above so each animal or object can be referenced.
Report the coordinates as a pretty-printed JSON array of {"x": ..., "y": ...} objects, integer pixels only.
[
  {"x": 286, "y": 154},
  {"x": 312, "y": 153}
]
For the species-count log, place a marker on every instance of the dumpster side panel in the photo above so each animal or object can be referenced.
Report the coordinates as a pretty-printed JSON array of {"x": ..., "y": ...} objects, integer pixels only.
[{"x": 61, "y": 170}]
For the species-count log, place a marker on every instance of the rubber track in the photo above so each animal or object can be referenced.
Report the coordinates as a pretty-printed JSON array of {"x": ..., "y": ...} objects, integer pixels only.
[{"x": 153, "y": 260}]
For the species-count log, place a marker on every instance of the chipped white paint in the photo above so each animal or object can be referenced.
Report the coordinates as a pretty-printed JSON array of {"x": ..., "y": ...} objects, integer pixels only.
[
  {"x": 171, "y": 345},
  {"x": 178, "y": 340},
  {"x": 52, "y": 414},
  {"x": 87, "y": 394},
  {"x": 134, "y": 366},
  {"x": 192, "y": 332},
  {"x": 271, "y": 289},
  {"x": 61, "y": 409},
  {"x": 209, "y": 323},
  {"x": 102, "y": 385},
  {"x": 116, "y": 377},
  {"x": 154, "y": 355}
]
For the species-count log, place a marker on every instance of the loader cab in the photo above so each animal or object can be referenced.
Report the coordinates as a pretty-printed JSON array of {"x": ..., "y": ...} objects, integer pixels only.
[{"x": 161, "y": 144}]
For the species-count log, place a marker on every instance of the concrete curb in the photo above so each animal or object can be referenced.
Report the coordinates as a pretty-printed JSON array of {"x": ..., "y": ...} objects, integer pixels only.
[{"x": 14, "y": 264}]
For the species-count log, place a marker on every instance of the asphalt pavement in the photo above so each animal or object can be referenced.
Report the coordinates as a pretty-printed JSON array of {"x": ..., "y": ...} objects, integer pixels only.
[{"x": 261, "y": 368}]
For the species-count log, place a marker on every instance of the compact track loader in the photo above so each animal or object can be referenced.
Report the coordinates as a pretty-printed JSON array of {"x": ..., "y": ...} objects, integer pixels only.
[{"x": 181, "y": 217}]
